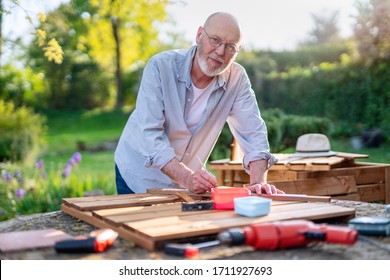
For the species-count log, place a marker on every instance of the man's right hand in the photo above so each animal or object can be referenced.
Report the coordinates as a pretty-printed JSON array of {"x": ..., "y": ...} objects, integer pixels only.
[{"x": 201, "y": 181}]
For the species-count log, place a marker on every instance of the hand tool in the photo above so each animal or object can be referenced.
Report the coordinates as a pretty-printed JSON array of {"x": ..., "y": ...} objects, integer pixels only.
[
  {"x": 188, "y": 250},
  {"x": 191, "y": 204},
  {"x": 97, "y": 241},
  {"x": 287, "y": 234},
  {"x": 272, "y": 236},
  {"x": 197, "y": 206}
]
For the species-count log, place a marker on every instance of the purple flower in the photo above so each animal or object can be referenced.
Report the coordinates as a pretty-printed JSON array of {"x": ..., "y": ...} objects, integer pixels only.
[
  {"x": 72, "y": 162},
  {"x": 7, "y": 176},
  {"x": 20, "y": 193},
  {"x": 66, "y": 172},
  {"x": 17, "y": 174},
  {"x": 39, "y": 164},
  {"x": 77, "y": 157}
]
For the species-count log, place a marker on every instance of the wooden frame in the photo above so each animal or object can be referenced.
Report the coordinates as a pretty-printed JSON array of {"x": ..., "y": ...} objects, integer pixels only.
[
  {"x": 150, "y": 221},
  {"x": 338, "y": 176}
]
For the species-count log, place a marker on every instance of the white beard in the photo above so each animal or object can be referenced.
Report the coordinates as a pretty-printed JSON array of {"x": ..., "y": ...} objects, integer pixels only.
[{"x": 202, "y": 60}]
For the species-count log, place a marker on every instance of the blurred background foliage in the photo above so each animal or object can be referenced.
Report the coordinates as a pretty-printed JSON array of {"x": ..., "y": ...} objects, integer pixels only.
[{"x": 328, "y": 84}]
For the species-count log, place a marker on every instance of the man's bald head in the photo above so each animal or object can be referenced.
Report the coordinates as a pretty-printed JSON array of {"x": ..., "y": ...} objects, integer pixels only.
[{"x": 226, "y": 21}]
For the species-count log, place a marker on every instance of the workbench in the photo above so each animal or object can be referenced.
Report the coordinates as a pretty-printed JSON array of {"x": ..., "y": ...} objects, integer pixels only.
[
  {"x": 124, "y": 249},
  {"x": 339, "y": 176}
]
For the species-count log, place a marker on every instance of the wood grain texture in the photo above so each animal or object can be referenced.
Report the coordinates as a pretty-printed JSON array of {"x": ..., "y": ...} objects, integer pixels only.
[{"x": 150, "y": 226}]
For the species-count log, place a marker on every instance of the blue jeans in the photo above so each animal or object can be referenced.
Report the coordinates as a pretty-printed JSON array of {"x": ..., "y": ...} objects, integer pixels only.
[{"x": 121, "y": 186}]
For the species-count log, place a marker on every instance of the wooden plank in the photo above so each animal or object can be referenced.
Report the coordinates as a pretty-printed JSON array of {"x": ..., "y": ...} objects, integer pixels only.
[
  {"x": 296, "y": 197},
  {"x": 173, "y": 191},
  {"x": 122, "y": 215},
  {"x": 363, "y": 174},
  {"x": 118, "y": 215},
  {"x": 87, "y": 217},
  {"x": 350, "y": 196},
  {"x": 281, "y": 175},
  {"x": 178, "y": 227},
  {"x": 319, "y": 186},
  {"x": 100, "y": 203},
  {"x": 31, "y": 239},
  {"x": 351, "y": 155},
  {"x": 153, "y": 221},
  {"x": 139, "y": 215},
  {"x": 301, "y": 167},
  {"x": 318, "y": 160},
  {"x": 185, "y": 197},
  {"x": 387, "y": 184},
  {"x": 70, "y": 201},
  {"x": 372, "y": 192},
  {"x": 282, "y": 197},
  {"x": 308, "y": 163}
]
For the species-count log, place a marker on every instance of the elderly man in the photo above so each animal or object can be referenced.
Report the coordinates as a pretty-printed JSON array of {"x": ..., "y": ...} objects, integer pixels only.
[{"x": 184, "y": 100}]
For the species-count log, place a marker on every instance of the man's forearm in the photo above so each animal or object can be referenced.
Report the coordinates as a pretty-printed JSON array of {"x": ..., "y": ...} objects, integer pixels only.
[
  {"x": 258, "y": 171},
  {"x": 177, "y": 171}
]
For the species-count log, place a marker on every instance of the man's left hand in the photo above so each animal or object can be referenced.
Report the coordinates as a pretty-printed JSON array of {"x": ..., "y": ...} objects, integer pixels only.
[{"x": 264, "y": 189}]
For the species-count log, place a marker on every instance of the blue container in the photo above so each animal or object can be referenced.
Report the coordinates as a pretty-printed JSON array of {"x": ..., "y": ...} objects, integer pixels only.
[{"x": 252, "y": 206}]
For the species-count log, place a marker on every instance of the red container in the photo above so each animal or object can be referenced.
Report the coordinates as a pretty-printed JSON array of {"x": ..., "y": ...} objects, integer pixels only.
[{"x": 223, "y": 198}]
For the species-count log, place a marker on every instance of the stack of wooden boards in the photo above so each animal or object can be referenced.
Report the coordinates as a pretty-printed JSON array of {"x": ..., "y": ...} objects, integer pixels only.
[
  {"x": 338, "y": 176},
  {"x": 151, "y": 220}
]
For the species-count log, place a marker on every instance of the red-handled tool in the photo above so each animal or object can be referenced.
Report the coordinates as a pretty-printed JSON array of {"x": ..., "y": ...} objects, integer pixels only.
[
  {"x": 287, "y": 234},
  {"x": 97, "y": 241},
  {"x": 187, "y": 250},
  {"x": 272, "y": 236}
]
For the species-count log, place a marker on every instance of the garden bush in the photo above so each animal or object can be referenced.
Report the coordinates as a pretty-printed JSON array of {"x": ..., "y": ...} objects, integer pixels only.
[
  {"x": 22, "y": 133},
  {"x": 283, "y": 131}
]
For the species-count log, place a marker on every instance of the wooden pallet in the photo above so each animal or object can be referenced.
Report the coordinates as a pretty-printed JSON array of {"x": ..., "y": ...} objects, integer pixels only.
[{"x": 152, "y": 220}]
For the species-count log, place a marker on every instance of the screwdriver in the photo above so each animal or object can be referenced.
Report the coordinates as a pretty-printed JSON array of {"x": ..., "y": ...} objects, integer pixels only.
[
  {"x": 97, "y": 241},
  {"x": 188, "y": 250}
]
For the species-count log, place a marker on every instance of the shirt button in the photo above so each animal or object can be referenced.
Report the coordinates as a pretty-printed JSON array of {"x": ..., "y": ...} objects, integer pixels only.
[{"x": 189, "y": 99}]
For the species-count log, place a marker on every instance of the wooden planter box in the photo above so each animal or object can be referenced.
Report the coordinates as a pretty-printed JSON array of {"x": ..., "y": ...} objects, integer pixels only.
[{"x": 369, "y": 182}]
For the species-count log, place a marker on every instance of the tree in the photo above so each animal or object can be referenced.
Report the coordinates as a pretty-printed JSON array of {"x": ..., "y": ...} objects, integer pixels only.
[
  {"x": 325, "y": 29},
  {"x": 1, "y": 29},
  {"x": 79, "y": 82},
  {"x": 122, "y": 33},
  {"x": 48, "y": 44},
  {"x": 372, "y": 30}
]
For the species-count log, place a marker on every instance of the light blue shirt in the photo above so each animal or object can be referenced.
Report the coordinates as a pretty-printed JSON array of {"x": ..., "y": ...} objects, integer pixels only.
[{"x": 156, "y": 131}]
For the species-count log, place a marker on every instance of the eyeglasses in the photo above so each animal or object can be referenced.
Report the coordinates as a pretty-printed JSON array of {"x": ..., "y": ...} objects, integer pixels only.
[{"x": 216, "y": 43}]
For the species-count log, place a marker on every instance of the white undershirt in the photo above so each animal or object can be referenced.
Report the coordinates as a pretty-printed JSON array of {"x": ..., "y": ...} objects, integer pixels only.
[{"x": 198, "y": 105}]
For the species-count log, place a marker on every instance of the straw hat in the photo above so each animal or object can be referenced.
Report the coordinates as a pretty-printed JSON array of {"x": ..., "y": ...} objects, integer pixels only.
[{"x": 313, "y": 145}]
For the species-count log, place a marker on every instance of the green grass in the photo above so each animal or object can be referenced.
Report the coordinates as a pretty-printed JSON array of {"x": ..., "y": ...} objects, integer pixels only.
[
  {"x": 68, "y": 129},
  {"x": 377, "y": 155}
]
